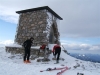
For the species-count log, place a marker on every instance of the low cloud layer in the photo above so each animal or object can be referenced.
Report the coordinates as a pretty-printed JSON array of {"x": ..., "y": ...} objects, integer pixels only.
[
  {"x": 84, "y": 47},
  {"x": 76, "y": 46},
  {"x": 6, "y": 42}
]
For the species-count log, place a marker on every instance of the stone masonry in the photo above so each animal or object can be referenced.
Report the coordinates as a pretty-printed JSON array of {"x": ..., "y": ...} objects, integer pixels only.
[
  {"x": 39, "y": 23},
  {"x": 32, "y": 24}
]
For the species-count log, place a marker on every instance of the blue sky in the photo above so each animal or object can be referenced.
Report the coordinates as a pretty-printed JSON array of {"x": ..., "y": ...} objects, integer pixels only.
[
  {"x": 7, "y": 30},
  {"x": 79, "y": 29}
]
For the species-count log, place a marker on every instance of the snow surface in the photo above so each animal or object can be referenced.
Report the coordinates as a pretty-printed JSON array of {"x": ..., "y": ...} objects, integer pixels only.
[{"x": 15, "y": 66}]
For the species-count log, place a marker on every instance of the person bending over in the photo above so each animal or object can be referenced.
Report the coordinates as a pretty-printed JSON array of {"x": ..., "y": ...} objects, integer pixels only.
[{"x": 56, "y": 52}]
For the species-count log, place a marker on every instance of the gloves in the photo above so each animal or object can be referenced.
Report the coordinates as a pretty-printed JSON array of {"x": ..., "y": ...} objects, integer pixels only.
[{"x": 53, "y": 54}]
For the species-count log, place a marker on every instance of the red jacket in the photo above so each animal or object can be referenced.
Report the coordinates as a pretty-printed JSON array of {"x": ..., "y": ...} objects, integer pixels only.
[{"x": 56, "y": 46}]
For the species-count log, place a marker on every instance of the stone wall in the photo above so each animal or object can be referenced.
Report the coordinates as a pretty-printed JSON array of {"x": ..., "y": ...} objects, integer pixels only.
[
  {"x": 52, "y": 28},
  {"x": 32, "y": 24},
  {"x": 20, "y": 50},
  {"x": 37, "y": 24}
]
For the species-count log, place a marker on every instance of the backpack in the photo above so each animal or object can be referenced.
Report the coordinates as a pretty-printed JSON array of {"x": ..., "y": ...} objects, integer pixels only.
[
  {"x": 24, "y": 44},
  {"x": 43, "y": 47}
]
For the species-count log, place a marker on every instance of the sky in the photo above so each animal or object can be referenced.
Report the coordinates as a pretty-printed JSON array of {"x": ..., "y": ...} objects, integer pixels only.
[{"x": 79, "y": 29}]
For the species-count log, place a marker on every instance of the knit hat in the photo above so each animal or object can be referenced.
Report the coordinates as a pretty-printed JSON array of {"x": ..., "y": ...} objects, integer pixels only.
[{"x": 32, "y": 38}]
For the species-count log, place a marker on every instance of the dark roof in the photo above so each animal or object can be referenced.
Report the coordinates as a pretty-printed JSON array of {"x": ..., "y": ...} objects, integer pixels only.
[{"x": 40, "y": 8}]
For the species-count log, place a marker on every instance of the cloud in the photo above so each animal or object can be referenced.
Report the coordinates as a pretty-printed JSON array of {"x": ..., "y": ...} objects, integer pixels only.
[
  {"x": 95, "y": 48},
  {"x": 6, "y": 42},
  {"x": 81, "y": 18},
  {"x": 83, "y": 47},
  {"x": 8, "y": 15},
  {"x": 79, "y": 46}
]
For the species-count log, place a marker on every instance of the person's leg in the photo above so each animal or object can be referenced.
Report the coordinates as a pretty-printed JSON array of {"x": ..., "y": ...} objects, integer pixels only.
[
  {"x": 55, "y": 53},
  {"x": 58, "y": 54},
  {"x": 28, "y": 55},
  {"x": 25, "y": 54}
]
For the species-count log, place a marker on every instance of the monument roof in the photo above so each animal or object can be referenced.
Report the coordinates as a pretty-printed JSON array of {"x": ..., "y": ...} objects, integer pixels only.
[{"x": 40, "y": 8}]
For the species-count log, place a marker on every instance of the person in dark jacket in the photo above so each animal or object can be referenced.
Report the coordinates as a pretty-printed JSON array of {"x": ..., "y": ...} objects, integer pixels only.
[
  {"x": 27, "y": 45},
  {"x": 56, "y": 52}
]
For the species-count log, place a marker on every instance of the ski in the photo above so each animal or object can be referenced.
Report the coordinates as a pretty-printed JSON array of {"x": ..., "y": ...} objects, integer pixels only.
[
  {"x": 51, "y": 69},
  {"x": 60, "y": 73},
  {"x": 48, "y": 69}
]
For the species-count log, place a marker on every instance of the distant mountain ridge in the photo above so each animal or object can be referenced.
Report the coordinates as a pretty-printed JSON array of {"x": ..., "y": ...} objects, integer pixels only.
[{"x": 87, "y": 57}]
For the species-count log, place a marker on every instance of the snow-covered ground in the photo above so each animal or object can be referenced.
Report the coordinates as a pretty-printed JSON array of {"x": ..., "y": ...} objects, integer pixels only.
[{"x": 15, "y": 66}]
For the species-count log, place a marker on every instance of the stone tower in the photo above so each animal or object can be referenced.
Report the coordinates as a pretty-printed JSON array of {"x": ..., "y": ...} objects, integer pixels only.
[{"x": 40, "y": 23}]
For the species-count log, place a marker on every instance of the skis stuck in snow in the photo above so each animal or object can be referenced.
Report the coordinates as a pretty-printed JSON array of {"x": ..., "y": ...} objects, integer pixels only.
[{"x": 63, "y": 69}]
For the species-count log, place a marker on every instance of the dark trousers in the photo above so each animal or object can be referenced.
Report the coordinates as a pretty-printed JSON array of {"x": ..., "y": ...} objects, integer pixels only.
[
  {"x": 27, "y": 53},
  {"x": 57, "y": 52}
]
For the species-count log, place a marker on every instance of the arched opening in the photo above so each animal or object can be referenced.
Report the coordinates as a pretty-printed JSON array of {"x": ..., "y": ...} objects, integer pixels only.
[{"x": 53, "y": 36}]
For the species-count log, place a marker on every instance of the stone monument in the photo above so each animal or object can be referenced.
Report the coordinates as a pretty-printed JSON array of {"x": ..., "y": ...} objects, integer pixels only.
[{"x": 40, "y": 23}]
